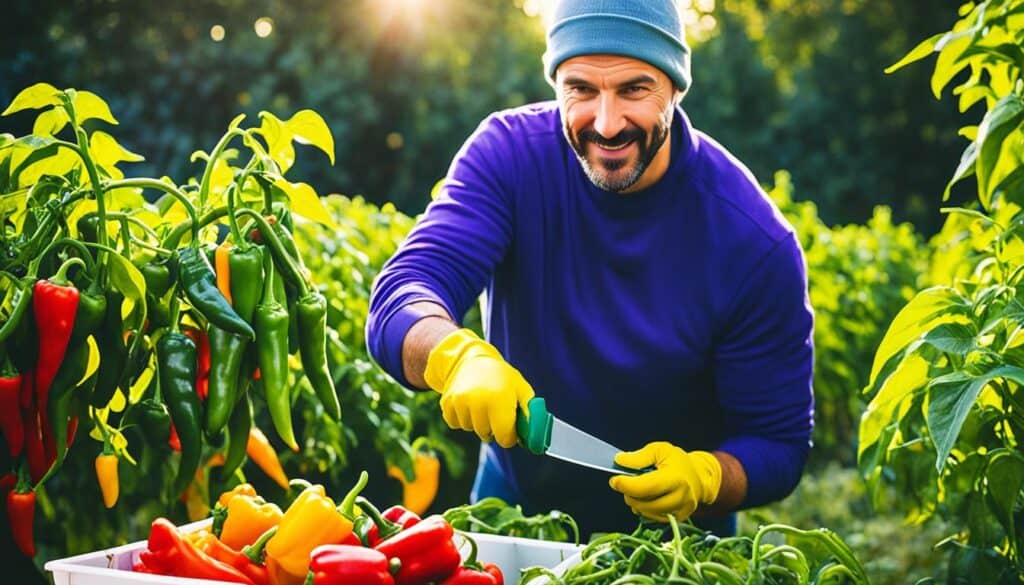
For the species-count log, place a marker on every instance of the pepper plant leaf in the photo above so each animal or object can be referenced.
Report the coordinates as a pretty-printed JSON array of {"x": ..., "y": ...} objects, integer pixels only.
[
  {"x": 951, "y": 399},
  {"x": 305, "y": 202},
  {"x": 997, "y": 125},
  {"x": 308, "y": 127},
  {"x": 34, "y": 97},
  {"x": 1005, "y": 476},
  {"x": 89, "y": 106}
]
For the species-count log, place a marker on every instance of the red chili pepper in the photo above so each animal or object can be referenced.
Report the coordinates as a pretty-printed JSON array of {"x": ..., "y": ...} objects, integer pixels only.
[
  {"x": 35, "y": 452},
  {"x": 28, "y": 381},
  {"x": 55, "y": 302},
  {"x": 426, "y": 552},
  {"x": 21, "y": 510},
  {"x": 11, "y": 426},
  {"x": 202, "y": 342},
  {"x": 173, "y": 440},
  {"x": 342, "y": 564},
  {"x": 169, "y": 554}
]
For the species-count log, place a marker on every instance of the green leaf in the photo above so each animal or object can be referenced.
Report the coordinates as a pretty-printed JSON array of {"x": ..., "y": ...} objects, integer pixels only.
[
  {"x": 91, "y": 106},
  {"x": 307, "y": 127},
  {"x": 34, "y": 97},
  {"x": 305, "y": 202},
  {"x": 955, "y": 338},
  {"x": 964, "y": 169},
  {"x": 1005, "y": 476},
  {"x": 998, "y": 123},
  {"x": 925, "y": 48},
  {"x": 951, "y": 399},
  {"x": 940, "y": 304}
]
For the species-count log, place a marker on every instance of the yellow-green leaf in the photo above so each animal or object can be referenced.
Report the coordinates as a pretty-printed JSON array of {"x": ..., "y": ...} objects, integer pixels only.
[
  {"x": 34, "y": 97},
  {"x": 50, "y": 122},
  {"x": 308, "y": 127},
  {"x": 927, "y": 47},
  {"x": 909, "y": 377},
  {"x": 89, "y": 105},
  {"x": 118, "y": 401},
  {"x": 94, "y": 359},
  {"x": 923, "y": 311},
  {"x": 305, "y": 202},
  {"x": 59, "y": 164},
  {"x": 107, "y": 152},
  {"x": 279, "y": 141},
  {"x": 235, "y": 122}
]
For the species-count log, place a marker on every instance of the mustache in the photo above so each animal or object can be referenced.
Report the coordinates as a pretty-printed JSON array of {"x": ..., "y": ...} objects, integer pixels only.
[{"x": 624, "y": 137}]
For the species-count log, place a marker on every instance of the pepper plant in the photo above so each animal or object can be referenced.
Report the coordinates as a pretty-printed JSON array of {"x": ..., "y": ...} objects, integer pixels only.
[
  {"x": 171, "y": 321},
  {"x": 945, "y": 419}
]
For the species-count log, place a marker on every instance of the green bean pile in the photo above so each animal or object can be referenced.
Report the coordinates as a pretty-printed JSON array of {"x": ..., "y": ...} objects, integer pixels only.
[{"x": 696, "y": 557}]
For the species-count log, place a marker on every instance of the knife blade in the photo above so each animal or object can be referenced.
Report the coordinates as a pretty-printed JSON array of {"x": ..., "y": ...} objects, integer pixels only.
[{"x": 543, "y": 433}]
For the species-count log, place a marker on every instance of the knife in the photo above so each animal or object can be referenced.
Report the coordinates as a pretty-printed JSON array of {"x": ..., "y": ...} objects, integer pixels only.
[{"x": 544, "y": 434}]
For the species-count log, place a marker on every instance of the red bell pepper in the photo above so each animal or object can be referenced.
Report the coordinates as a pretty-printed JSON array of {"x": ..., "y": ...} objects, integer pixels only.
[
  {"x": 394, "y": 520},
  {"x": 55, "y": 303},
  {"x": 426, "y": 552},
  {"x": 169, "y": 554},
  {"x": 21, "y": 511},
  {"x": 341, "y": 564},
  {"x": 11, "y": 425},
  {"x": 473, "y": 572}
]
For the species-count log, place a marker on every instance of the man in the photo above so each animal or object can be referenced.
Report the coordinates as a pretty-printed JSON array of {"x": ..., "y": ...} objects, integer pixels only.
[{"x": 636, "y": 277}]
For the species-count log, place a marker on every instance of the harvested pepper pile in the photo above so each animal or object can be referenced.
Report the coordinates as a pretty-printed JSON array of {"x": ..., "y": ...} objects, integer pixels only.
[{"x": 317, "y": 542}]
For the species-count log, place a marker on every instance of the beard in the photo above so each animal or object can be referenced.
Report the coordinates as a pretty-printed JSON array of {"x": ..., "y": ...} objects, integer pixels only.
[{"x": 617, "y": 175}]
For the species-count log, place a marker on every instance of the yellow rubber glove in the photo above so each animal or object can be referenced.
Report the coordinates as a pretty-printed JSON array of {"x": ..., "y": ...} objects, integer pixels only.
[
  {"x": 480, "y": 391},
  {"x": 680, "y": 482}
]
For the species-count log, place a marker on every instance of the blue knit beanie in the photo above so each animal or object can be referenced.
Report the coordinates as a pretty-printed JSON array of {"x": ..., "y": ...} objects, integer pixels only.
[{"x": 648, "y": 30}]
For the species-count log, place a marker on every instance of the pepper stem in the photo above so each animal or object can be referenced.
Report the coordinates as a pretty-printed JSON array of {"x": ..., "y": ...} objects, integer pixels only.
[
  {"x": 254, "y": 551},
  {"x": 61, "y": 278},
  {"x": 347, "y": 505},
  {"x": 385, "y": 527},
  {"x": 277, "y": 247}
]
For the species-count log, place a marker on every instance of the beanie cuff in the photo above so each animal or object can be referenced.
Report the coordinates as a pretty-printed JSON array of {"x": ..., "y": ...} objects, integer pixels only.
[{"x": 611, "y": 34}]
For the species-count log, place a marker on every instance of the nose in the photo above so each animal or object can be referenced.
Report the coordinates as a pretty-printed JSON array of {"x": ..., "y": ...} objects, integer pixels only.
[{"x": 609, "y": 120}]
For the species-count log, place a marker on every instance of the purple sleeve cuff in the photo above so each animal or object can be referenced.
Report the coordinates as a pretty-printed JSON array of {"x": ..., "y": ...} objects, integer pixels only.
[
  {"x": 773, "y": 468},
  {"x": 387, "y": 350}
]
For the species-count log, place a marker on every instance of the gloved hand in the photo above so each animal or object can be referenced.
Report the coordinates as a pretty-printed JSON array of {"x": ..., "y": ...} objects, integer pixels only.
[
  {"x": 480, "y": 391},
  {"x": 680, "y": 483}
]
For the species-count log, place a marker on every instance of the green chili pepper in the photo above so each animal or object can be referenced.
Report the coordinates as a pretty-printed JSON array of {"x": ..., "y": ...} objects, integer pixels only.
[
  {"x": 157, "y": 275},
  {"x": 176, "y": 359},
  {"x": 59, "y": 404},
  {"x": 113, "y": 351},
  {"x": 238, "y": 432},
  {"x": 88, "y": 227},
  {"x": 271, "y": 324},
  {"x": 196, "y": 277},
  {"x": 311, "y": 312},
  {"x": 92, "y": 310},
  {"x": 153, "y": 421},
  {"x": 226, "y": 352},
  {"x": 246, "y": 265},
  {"x": 21, "y": 328}
]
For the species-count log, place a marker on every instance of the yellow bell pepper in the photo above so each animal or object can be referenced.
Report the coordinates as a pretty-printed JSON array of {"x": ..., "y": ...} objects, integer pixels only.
[
  {"x": 248, "y": 518},
  {"x": 310, "y": 521}
]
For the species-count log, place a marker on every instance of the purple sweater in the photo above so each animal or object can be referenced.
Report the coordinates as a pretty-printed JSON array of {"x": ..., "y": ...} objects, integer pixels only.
[{"x": 678, "y": 313}]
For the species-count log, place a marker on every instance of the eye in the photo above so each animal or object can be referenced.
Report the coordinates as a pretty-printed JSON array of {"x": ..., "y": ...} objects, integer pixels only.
[
  {"x": 579, "y": 90},
  {"x": 635, "y": 90}
]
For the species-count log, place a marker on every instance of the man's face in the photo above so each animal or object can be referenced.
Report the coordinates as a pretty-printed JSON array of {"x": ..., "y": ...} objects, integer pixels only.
[{"x": 617, "y": 113}]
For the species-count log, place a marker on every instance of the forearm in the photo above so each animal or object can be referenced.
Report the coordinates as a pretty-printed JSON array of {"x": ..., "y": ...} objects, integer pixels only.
[
  {"x": 734, "y": 486},
  {"x": 422, "y": 337}
]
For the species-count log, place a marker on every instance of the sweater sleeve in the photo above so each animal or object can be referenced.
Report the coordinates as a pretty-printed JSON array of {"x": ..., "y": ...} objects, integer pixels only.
[
  {"x": 763, "y": 368},
  {"x": 452, "y": 251}
]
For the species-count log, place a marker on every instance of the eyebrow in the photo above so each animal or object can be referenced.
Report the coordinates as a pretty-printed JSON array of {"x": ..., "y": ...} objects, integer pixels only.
[{"x": 638, "y": 80}]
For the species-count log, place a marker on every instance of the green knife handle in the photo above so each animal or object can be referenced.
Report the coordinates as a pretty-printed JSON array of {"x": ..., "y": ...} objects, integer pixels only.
[{"x": 534, "y": 427}]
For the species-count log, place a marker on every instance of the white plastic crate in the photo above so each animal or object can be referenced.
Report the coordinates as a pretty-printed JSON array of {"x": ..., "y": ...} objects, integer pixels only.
[{"x": 113, "y": 566}]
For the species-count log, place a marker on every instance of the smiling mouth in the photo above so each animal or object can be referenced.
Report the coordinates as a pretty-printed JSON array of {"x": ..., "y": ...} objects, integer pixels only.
[{"x": 614, "y": 148}]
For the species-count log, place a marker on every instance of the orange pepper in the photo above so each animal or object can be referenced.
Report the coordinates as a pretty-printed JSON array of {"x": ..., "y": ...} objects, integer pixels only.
[
  {"x": 263, "y": 454},
  {"x": 419, "y": 494},
  {"x": 242, "y": 489},
  {"x": 220, "y": 261}
]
